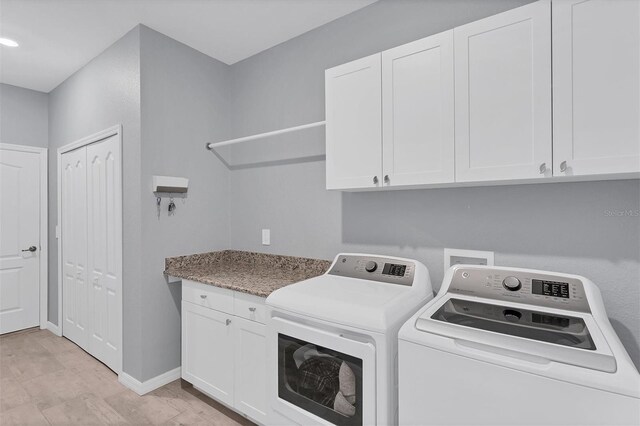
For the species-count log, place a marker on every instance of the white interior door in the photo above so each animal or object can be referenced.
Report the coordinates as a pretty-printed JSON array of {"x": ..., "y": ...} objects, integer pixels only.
[
  {"x": 354, "y": 124},
  {"x": 503, "y": 95},
  {"x": 104, "y": 226},
  {"x": 19, "y": 231},
  {"x": 417, "y": 112},
  {"x": 596, "y": 87},
  {"x": 74, "y": 245}
]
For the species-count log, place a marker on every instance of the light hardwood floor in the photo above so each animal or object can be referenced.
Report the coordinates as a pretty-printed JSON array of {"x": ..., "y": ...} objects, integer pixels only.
[{"x": 48, "y": 380}]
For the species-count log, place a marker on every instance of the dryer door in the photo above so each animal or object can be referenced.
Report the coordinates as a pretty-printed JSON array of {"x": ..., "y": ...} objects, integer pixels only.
[{"x": 324, "y": 377}]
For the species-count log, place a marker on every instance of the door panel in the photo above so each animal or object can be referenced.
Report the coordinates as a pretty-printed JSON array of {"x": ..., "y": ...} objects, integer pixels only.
[
  {"x": 354, "y": 120},
  {"x": 74, "y": 245},
  {"x": 596, "y": 69},
  {"x": 19, "y": 229},
  {"x": 503, "y": 96},
  {"x": 104, "y": 239},
  {"x": 417, "y": 111},
  {"x": 251, "y": 369},
  {"x": 207, "y": 350}
]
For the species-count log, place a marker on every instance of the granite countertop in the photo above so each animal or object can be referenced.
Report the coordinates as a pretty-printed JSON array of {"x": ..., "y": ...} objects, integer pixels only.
[{"x": 259, "y": 274}]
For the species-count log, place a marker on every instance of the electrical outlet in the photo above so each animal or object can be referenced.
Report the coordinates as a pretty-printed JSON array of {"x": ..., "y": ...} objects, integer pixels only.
[
  {"x": 266, "y": 237},
  {"x": 467, "y": 257}
]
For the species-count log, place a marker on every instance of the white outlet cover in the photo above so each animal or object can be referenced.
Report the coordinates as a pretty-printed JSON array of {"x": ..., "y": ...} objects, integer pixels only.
[
  {"x": 266, "y": 237},
  {"x": 459, "y": 253}
]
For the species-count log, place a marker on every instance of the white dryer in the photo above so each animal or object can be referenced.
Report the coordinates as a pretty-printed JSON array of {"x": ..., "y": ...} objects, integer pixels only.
[
  {"x": 507, "y": 346},
  {"x": 332, "y": 341}
]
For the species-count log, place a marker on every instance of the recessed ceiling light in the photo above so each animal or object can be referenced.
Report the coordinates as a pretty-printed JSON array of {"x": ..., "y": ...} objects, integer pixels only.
[{"x": 8, "y": 42}]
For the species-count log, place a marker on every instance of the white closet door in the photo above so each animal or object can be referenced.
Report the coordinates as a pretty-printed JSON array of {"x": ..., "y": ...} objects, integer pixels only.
[
  {"x": 503, "y": 95},
  {"x": 74, "y": 246},
  {"x": 417, "y": 112},
  {"x": 596, "y": 86},
  {"x": 354, "y": 124},
  {"x": 104, "y": 226}
]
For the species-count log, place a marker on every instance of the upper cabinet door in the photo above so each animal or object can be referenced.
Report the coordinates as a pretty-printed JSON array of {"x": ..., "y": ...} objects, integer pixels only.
[
  {"x": 417, "y": 111},
  {"x": 503, "y": 95},
  {"x": 354, "y": 124},
  {"x": 596, "y": 83}
]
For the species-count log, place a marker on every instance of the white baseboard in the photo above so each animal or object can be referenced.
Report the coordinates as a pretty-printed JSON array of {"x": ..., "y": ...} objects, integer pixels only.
[
  {"x": 54, "y": 328},
  {"x": 147, "y": 386}
]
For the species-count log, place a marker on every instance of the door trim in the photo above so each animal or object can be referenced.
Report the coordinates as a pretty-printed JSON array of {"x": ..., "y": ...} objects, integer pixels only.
[
  {"x": 44, "y": 225},
  {"x": 88, "y": 140}
]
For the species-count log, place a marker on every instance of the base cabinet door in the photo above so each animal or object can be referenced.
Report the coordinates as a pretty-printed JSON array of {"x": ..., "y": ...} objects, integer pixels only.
[
  {"x": 503, "y": 96},
  {"x": 417, "y": 112},
  {"x": 208, "y": 350},
  {"x": 596, "y": 87},
  {"x": 354, "y": 120},
  {"x": 250, "y": 369}
]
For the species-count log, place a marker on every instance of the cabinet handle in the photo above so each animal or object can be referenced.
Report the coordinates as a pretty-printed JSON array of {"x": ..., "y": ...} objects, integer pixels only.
[
  {"x": 252, "y": 309},
  {"x": 203, "y": 296},
  {"x": 563, "y": 166},
  {"x": 375, "y": 180},
  {"x": 543, "y": 168},
  {"x": 386, "y": 179},
  {"x": 228, "y": 321}
]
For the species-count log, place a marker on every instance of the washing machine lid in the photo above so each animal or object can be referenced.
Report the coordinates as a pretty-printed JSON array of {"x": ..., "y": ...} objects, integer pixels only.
[
  {"x": 544, "y": 327},
  {"x": 368, "y": 292},
  {"x": 363, "y": 304},
  {"x": 567, "y": 337}
]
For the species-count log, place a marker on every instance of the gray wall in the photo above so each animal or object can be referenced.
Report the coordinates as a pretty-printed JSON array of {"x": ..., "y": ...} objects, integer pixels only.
[
  {"x": 102, "y": 94},
  {"x": 280, "y": 184},
  {"x": 23, "y": 116},
  {"x": 185, "y": 97}
]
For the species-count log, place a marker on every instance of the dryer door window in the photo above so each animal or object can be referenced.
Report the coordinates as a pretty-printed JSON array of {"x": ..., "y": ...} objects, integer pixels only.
[{"x": 320, "y": 380}]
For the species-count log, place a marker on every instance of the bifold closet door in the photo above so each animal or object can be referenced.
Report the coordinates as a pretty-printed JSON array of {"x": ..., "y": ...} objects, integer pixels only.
[
  {"x": 104, "y": 224},
  {"x": 74, "y": 245},
  {"x": 91, "y": 209}
]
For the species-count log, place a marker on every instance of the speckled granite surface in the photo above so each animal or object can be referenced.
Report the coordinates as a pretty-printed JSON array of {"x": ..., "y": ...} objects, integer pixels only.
[{"x": 255, "y": 273}]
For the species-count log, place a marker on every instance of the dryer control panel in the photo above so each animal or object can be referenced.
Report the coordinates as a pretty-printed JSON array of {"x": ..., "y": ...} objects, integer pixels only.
[
  {"x": 374, "y": 268},
  {"x": 519, "y": 286}
]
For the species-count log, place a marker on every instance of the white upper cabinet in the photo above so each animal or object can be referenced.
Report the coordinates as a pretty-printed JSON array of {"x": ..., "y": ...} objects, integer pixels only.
[
  {"x": 353, "y": 115},
  {"x": 596, "y": 87},
  {"x": 503, "y": 96},
  {"x": 417, "y": 112}
]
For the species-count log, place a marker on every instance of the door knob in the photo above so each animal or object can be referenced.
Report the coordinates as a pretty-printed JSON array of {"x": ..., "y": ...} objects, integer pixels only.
[
  {"x": 375, "y": 180},
  {"x": 563, "y": 166},
  {"x": 387, "y": 179},
  {"x": 227, "y": 322},
  {"x": 31, "y": 249}
]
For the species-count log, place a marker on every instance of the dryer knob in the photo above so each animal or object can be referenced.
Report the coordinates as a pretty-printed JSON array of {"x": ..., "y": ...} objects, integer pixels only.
[
  {"x": 370, "y": 266},
  {"x": 512, "y": 283}
]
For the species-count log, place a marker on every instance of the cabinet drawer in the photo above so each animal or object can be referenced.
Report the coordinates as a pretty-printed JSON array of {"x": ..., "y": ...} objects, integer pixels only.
[
  {"x": 207, "y": 296},
  {"x": 250, "y": 307}
]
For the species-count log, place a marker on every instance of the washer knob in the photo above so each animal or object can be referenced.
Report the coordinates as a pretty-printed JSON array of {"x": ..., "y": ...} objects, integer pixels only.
[
  {"x": 370, "y": 266},
  {"x": 512, "y": 283}
]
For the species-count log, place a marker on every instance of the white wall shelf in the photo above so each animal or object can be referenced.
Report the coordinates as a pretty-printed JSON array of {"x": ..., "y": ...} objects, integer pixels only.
[{"x": 213, "y": 145}]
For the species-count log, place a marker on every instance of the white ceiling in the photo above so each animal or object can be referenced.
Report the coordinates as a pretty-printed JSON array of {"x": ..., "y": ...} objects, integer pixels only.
[{"x": 57, "y": 37}]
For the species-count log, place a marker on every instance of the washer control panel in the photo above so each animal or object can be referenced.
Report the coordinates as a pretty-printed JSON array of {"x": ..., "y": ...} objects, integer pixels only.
[
  {"x": 381, "y": 269},
  {"x": 519, "y": 286}
]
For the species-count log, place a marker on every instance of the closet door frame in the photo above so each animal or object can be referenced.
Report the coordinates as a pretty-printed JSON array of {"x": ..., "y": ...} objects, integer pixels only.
[{"x": 96, "y": 137}]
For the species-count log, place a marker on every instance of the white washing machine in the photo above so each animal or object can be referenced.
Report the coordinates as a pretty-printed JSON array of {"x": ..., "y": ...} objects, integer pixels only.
[
  {"x": 507, "y": 346},
  {"x": 332, "y": 341}
]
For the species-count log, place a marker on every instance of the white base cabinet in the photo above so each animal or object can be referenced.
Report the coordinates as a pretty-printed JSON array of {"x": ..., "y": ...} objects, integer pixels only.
[{"x": 224, "y": 347}]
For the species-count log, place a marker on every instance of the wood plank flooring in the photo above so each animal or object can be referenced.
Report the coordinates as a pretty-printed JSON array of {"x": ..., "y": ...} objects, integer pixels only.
[{"x": 48, "y": 380}]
